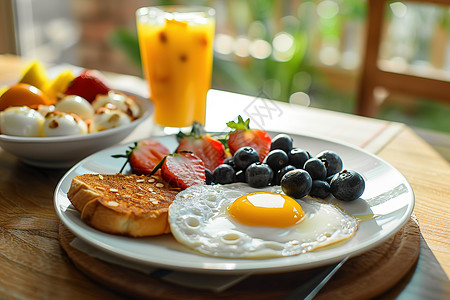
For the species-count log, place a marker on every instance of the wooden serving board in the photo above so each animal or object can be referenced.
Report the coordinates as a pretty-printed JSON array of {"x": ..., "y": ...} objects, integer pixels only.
[{"x": 366, "y": 276}]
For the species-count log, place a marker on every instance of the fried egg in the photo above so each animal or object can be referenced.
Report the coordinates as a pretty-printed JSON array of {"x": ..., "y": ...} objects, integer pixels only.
[{"x": 238, "y": 221}]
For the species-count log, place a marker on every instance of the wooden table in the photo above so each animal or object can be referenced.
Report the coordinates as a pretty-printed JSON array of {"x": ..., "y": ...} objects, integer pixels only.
[{"x": 34, "y": 266}]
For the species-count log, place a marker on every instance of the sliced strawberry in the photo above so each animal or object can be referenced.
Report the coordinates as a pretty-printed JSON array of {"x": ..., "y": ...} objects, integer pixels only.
[
  {"x": 144, "y": 156},
  {"x": 183, "y": 169},
  {"x": 209, "y": 149},
  {"x": 88, "y": 85},
  {"x": 244, "y": 136}
]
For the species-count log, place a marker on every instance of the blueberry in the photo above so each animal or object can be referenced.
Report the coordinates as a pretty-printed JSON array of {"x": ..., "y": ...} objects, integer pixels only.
[
  {"x": 320, "y": 189},
  {"x": 332, "y": 162},
  {"x": 240, "y": 176},
  {"x": 223, "y": 174},
  {"x": 276, "y": 159},
  {"x": 315, "y": 168},
  {"x": 230, "y": 161},
  {"x": 296, "y": 183},
  {"x": 298, "y": 157},
  {"x": 258, "y": 175},
  {"x": 347, "y": 185},
  {"x": 282, "y": 141},
  {"x": 281, "y": 172},
  {"x": 328, "y": 178},
  {"x": 209, "y": 176},
  {"x": 244, "y": 157}
]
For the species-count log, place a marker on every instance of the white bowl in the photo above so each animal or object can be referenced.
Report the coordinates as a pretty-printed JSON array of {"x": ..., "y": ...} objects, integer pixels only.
[{"x": 65, "y": 151}]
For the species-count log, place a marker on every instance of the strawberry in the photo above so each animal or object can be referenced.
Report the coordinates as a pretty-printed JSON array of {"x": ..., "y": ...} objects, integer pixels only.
[
  {"x": 88, "y": 85},
  {"x": 144, "y": 156},
  {"x": 244, "y": 136},
  {"x": 209, "y": 149},
  {"x": 183, "y": 169}
]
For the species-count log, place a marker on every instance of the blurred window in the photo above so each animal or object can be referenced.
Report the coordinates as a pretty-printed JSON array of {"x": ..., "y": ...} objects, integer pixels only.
[{"x": 46, "y": 29}]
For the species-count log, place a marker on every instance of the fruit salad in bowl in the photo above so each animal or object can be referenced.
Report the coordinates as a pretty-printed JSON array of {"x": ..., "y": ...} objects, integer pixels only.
[{"x": 56, "y": 122}]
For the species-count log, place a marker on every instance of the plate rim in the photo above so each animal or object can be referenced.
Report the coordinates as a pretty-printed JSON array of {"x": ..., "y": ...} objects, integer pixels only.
[{"x": 243, "y": 270}]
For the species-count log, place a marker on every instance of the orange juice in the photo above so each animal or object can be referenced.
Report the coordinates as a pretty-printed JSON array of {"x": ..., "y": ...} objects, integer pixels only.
[{"x": 176, "y": 51}]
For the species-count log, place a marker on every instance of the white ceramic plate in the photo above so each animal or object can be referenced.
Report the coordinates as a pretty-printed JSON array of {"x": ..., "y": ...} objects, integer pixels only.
[
  {"x": 65, "y": 151},
  {"x": 388, "y": 195}
]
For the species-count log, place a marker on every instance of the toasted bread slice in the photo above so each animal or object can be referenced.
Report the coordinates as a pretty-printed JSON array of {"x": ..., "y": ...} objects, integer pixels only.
[{"x": 123, "y": 204}]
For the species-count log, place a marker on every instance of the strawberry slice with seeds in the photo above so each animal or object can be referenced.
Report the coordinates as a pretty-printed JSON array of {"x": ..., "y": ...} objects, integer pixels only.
[
  {"x": 244, "y": 136},
  {"x": 88, "y": 85},
  {"x": 183, "y": 169},
  {"x": 209, "y": 149},
  {"x": 147, "y": 154},
  {"x": 144, "y": 156}
]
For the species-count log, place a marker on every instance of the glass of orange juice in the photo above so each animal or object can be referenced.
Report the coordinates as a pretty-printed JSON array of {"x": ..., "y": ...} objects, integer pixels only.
[{"x": 176, "y": 44}]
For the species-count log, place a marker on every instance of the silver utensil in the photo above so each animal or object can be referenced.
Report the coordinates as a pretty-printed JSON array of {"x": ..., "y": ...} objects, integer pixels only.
[{"x": 309, "y": 290}]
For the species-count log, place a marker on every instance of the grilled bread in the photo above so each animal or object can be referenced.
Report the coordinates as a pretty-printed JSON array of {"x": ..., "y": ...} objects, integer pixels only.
[{"x": 123, "y": 204}]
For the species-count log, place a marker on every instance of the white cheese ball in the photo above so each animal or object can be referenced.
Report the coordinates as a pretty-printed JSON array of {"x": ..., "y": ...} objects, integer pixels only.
[
  {"x": 63, "y": 124},
  {"x": 109, "y": 118},
  {"x": 21, "y": 121},
  {"x": 77, "y": 105},
  {"x": 45, "y": 109},
  {"x": 120, "y": 101}
]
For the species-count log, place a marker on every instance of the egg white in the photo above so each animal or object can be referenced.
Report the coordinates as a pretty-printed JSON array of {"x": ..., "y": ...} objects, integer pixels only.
[
  {"x": 21, "y": 121},
  {"x": 77, "y": 105},
  {"x": 63, "y": 124},
  {"x": 199, "y": 219},
  {"x": 109, "y": 118},
  {"x": 120, "y": 101}
]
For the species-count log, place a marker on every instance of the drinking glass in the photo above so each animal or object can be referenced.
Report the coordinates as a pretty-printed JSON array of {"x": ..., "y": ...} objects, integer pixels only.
[{"x": 176, "y": 44}]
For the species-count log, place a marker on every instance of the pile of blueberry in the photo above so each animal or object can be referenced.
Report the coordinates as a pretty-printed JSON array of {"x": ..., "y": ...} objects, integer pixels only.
[{"x": 295, "y": 170}]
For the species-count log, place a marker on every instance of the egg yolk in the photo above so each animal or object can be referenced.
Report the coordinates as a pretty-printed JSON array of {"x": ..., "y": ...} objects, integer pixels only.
[{"x": 266, "y": 209}]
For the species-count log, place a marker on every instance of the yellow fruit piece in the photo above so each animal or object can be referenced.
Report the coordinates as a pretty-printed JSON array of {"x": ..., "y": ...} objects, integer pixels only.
[
  {"x": 23, "y": 94},
  {"x": 58, "y": 85},
  {"x": 35, "y": 75},
  {"x": 3, "y": 89}
]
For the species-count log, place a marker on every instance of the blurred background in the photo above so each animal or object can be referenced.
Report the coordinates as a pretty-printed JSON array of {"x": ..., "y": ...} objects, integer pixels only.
[{"x": 311, "y": 49}]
